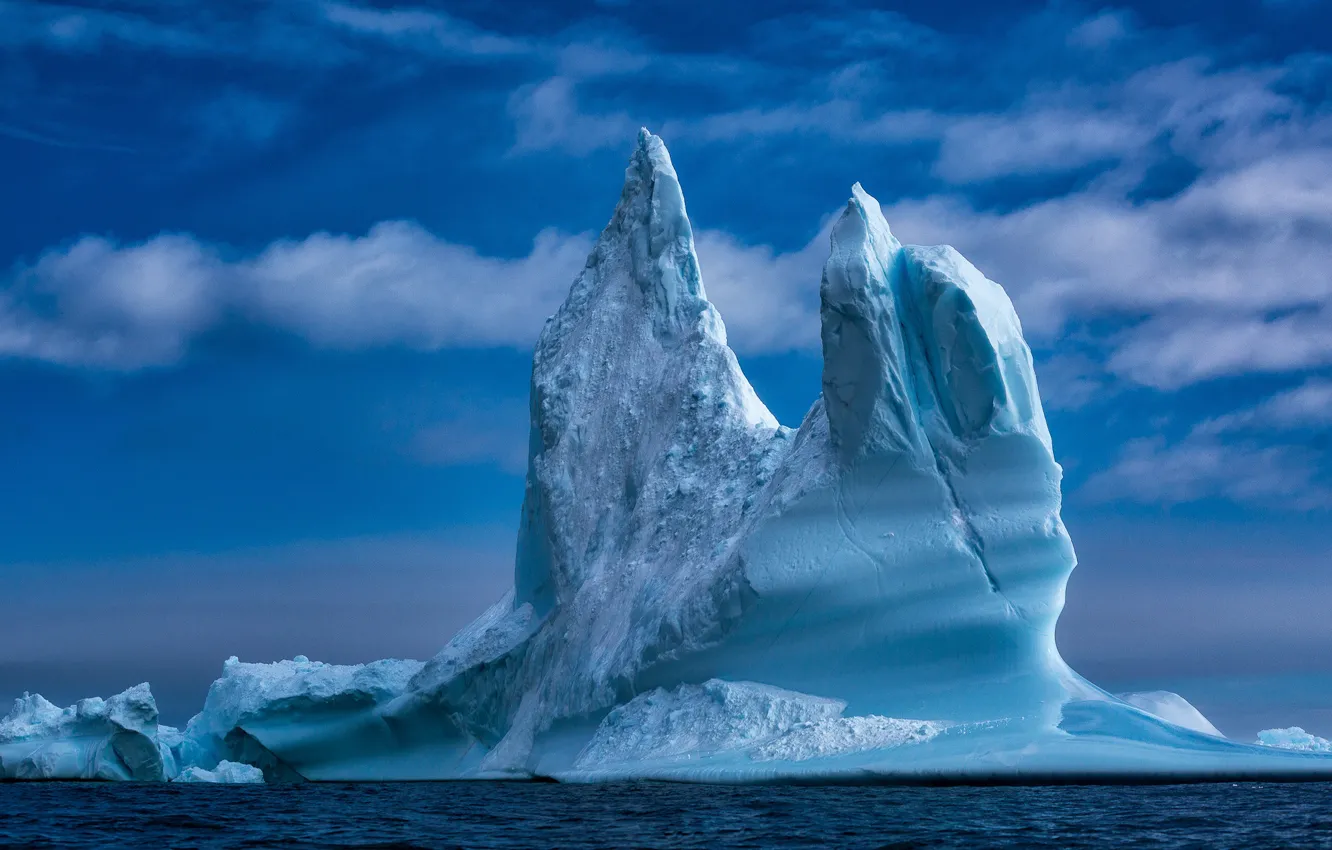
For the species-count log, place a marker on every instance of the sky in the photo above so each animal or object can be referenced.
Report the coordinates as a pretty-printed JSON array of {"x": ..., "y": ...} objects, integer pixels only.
[{"x": 271, "y": 274}]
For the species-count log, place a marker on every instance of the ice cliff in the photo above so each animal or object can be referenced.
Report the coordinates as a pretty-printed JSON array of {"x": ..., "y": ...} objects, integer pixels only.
[{"x": 702, "y": 594}]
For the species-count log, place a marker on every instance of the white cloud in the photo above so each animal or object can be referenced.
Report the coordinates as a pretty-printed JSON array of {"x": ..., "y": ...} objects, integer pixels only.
[
  {"x": 1233, "y": 275},
  {"x": 399, "y": 284},
  {"x": 1174, "y": 351},
  {"x": 96, "y": 303},
  {"x": 1306, "y": 406},
  {"x": 1200, "y": 466},
  {"x": 75, "y": 29},
  {"x": 1100, "y": 30},
  {"x": 1034, "y": 141},
  {"x": 769, "y": 300},
  {"x": 546, "y": 116},
  {"x": 840, "y": 117},
  {"x": 1229, "y": 276},
  {"x": 101, "y": 305},
  {"x": 430, "y": 27}
]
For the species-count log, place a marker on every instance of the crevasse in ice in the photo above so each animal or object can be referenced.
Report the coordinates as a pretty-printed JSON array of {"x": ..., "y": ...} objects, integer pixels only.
[{"x": 702, "y": 594}]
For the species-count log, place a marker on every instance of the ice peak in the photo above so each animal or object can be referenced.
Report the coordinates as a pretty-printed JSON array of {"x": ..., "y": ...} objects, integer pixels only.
[
  {"x": 865, "y": 380},
  {"x": 630, "y": 378},
  {"x": 651, "y": 231},
  {"x": 651, "y": 154},
  {"x": 869, "y": 209}
]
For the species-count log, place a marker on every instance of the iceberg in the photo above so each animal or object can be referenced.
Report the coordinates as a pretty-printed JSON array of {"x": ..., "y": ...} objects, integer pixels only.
[
  {"x": 109, "y": 739},
  {"x": 1294, "y": 738},
  {"x": 296, "y": 719},
  {"x": 702, "y": 594},
  {"x": 225, "y": 773}
]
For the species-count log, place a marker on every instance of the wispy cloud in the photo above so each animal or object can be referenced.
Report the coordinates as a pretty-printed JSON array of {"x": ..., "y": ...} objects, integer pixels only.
[
  {"x": 546, "y": 116},
  {"x": 425, "y": 28},
  {"x": 77, "y": 28},
  {"x": 1201, "y": 466},
  {"x": 1306, "y": 406},
  {"x": 285, "y": 33}
]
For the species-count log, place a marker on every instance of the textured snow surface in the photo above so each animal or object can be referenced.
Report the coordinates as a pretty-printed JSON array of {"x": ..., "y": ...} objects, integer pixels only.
[
  {"x": 702, "y": 719},
  {"x": 1294, "y": 738},
  {"x": 741, "y": 720},
  {"x": 1172, "y": 708},
  {"x": 703, "y": 594},
  {"x": 95, "y": 738},
  {"x": 841, "y": 735},
  {"x": 226, "y": 772}
]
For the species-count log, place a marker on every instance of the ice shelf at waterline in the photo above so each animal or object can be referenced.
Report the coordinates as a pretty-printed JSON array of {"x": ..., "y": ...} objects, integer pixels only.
[{"x": 703, "y": 594}]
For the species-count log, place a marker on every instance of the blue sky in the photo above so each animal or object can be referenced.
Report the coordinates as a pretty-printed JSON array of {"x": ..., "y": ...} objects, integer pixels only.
[{"x": 270, "y": 274}]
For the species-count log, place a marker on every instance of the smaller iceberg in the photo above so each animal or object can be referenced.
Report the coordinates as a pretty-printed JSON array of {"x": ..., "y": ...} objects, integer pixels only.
[
  {"x": 297, "y": 719},
  {"x": 107, "y": 739},
  {"x": 226, "y": 773},
  {"x": 1172, "y": 708},
  {"x": 1294, "y": 738}
]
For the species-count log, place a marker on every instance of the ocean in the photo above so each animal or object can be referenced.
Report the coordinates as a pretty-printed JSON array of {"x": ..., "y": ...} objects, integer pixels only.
[{"x": 526, "y": 815}]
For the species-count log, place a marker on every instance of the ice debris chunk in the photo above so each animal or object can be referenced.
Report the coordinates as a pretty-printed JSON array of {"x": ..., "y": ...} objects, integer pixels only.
[
  {"x": 1294, "y": 738},
  {"x": 106, "y": 739},
  {"x": 1172, "y": 708},
  {"x": 225, "y": 773}
]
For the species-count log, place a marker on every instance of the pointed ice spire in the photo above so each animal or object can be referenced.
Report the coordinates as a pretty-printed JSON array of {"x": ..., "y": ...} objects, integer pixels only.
[
  {"x": 866, "y": 381},
  {"x": 632, "y": 368},
  {"x": 652, "y": 224}
]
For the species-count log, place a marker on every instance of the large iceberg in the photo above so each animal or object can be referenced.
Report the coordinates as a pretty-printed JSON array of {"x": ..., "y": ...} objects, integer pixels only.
[{"x": 702, "y": 594}]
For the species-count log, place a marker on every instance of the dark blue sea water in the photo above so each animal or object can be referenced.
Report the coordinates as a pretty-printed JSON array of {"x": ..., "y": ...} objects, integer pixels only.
[{"x": 501, "y": 815}]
